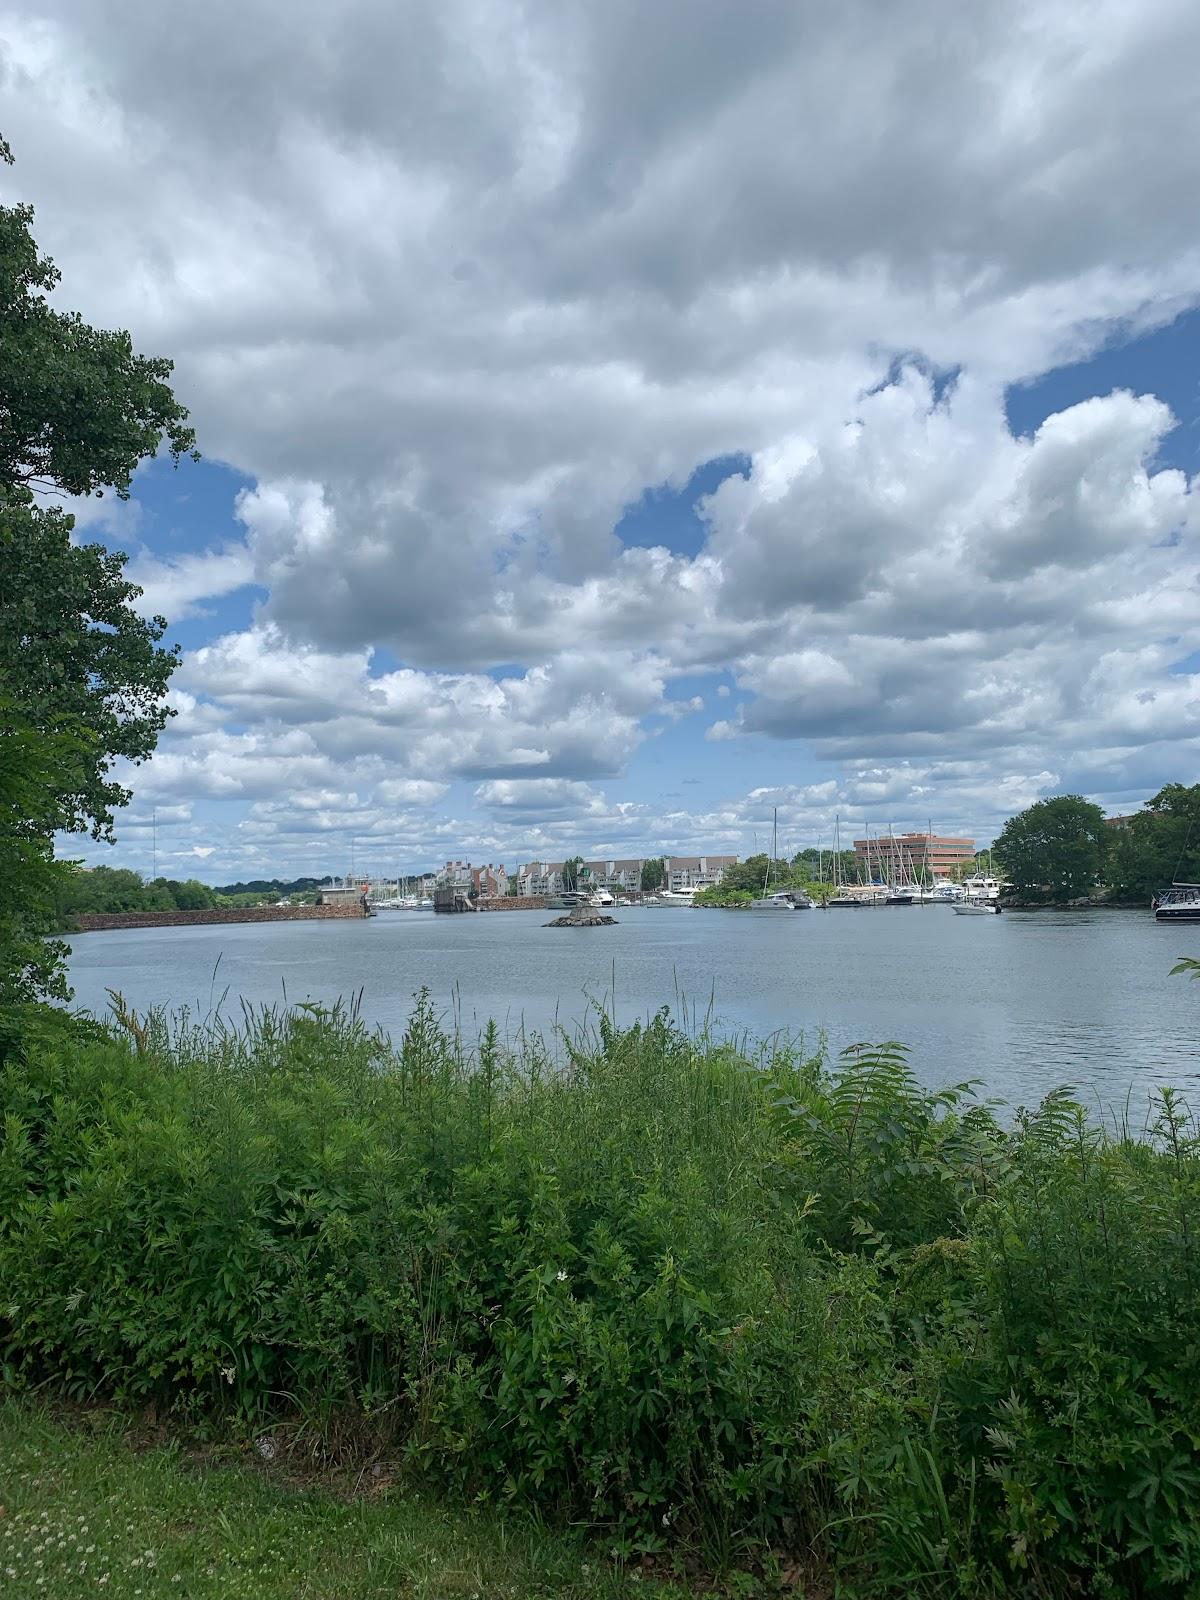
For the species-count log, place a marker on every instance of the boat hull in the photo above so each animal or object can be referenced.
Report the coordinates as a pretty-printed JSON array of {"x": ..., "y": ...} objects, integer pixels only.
[{"x": 1188, "y": 913}]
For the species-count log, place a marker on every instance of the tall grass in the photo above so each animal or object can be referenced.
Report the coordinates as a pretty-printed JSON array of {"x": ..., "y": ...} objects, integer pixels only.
[{"x": 694, "y": 1295}]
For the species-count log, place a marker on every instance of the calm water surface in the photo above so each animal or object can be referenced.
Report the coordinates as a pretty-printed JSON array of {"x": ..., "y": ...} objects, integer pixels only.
[{"x": 1022, "y": 1001}]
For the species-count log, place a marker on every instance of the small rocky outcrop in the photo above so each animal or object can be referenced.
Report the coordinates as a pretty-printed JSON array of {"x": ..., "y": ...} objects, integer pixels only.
[{"x": 582, "y": 917}]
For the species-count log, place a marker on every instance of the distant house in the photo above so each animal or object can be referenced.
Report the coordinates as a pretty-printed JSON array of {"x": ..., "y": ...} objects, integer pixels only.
[
  {"x": 454, "y": 875},
  {"x": 1118, "y": 822},
  {"x": 489, "y": 881}
]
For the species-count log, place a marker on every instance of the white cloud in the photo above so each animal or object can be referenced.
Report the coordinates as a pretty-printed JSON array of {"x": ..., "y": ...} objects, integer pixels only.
[
  {"x": 178, "y": 587},
  {"x": 453, "y": 308}
]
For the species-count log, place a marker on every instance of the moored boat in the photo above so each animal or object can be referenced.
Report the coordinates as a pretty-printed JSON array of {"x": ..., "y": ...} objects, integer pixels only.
[{"x": 1179, "y": 903}]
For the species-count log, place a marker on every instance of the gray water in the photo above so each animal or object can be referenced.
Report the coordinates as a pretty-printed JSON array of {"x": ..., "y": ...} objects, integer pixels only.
[{"x": 1022, "y": 1001}]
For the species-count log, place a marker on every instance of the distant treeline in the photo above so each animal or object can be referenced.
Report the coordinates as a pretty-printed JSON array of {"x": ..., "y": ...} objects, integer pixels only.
[
  {"x": 108, "y": 889},
  {"x": 274, "y": 886},
  {"x": 105, "y": 890}
]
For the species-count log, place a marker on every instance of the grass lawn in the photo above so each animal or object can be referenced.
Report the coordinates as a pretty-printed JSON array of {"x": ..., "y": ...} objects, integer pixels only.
[{"x": 82, "y": 1512}]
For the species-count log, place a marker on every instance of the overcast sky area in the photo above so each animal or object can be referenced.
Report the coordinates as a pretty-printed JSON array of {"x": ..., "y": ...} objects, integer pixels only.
[{"x": 622, "y": 420}]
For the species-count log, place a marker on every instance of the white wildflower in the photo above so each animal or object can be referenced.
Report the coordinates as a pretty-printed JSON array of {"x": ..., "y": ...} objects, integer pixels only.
[{"x": 561, "y": 1276}]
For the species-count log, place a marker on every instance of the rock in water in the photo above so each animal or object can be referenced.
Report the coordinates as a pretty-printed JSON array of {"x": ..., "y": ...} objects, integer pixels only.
[{"x": 582, "y": 917}]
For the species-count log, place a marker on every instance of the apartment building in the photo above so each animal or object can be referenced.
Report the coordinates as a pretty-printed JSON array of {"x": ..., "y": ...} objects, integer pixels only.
[
  {"x": 695, "y": 872},
  {"x": 615, "y": 874},
  {"x": 540, "y": 877}
]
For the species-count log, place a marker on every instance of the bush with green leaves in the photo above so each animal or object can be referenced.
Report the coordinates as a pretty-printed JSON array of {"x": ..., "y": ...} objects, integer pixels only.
[{"x": 692, "y": 1296}]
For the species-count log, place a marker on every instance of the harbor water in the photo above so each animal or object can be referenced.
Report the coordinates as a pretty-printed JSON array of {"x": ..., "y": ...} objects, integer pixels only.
[{"x": 1022, "y": 1002}]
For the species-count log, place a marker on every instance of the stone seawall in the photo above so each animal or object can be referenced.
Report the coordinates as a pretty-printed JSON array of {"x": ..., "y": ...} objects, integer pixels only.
[
  {"x": 514, "y": 902},
  {"x": 97, "y": 922}
]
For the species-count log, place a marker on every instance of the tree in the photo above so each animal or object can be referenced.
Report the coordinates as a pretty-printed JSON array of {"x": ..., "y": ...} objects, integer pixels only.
[
  {"x": 653, "y": 873},
  {"x": 78, "y": 408},
  {"x": 1159, "y": 845},
  {"x": 1055, "y": 849},
  {"x": 79, "y": 670},
  {"x": 34, "y": 765},
  {"x": 71, "y": 644},
  {"x": 570, "y": 873}
]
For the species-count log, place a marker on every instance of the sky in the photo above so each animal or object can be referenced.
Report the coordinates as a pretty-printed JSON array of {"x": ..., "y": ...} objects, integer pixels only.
[{"x": 623, "y": 423}]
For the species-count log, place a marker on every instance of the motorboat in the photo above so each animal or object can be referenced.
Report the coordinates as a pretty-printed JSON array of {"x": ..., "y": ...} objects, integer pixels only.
[
  {"x": 982, "y": 888},
  {"x": 774, "y": 902},
  {"x": 1179, "y": 903},
  {"x": 567, "y": 900},
  {"x": 977, "y": 908},
  {"x": 601, "y": 897}
]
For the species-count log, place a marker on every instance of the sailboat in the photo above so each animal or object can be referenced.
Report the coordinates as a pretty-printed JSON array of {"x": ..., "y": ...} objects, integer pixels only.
[
  {"x": 841, "y": 899},
  {"x": 781, "y": 900}
]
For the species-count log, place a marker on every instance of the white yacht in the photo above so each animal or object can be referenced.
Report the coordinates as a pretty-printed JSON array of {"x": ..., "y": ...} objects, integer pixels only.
[
  {"x": 982, "y": 888},
  {"x": 773, "y": 902}
]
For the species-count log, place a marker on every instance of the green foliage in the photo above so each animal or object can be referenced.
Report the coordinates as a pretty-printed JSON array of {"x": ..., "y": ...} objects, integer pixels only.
[
  {"x": 35, "y": 765},
  {"x": 817, "y": 866},
  {"x": 72, "y": 646},
  {"x": 571, "y": 872},
  {"x": 108, "y": 889},
  {"x": 1160, "y": 843},
  {"x": 653, "y": 874},
  {"x": 80, "y": 408},
  {"x": 276, "y": 888},
  {"x": 750, "y": 875},
  {"x": 716, "y": 894},
  {"x": 644, "y": 1281},
  {"x": 1054, "y": 850},
  {"x": 80, "y": 672}
]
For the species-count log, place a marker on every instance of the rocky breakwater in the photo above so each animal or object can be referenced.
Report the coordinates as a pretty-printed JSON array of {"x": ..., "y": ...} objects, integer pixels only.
[
  {"x": 582, "y": 917},
  {"x": 95, "y": 922}
]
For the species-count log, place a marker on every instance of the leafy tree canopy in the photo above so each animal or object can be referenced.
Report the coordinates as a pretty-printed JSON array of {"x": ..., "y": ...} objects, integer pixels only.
[
  {"x": 71, "y": 645},
  {"x": 81, "y": 675},
  {"x": 653, "y": 873},
  {"x": 78, "y": 408},
  {"x": 106, "y": 889},
  {"x": 35, "y": 764},
  {"x": 277, "y": 887},
  {"x": 1054, "y": 849},
  {"x": 570, "y": 872},
  {"x": 1158, "y": 845}
]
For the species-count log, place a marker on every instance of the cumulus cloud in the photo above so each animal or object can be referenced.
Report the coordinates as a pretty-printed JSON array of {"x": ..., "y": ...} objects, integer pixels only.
[{"x": 452, "y": 309}]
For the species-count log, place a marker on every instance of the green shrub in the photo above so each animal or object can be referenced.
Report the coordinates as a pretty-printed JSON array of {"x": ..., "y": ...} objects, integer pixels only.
[{"x": 637, "y": 1278}]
